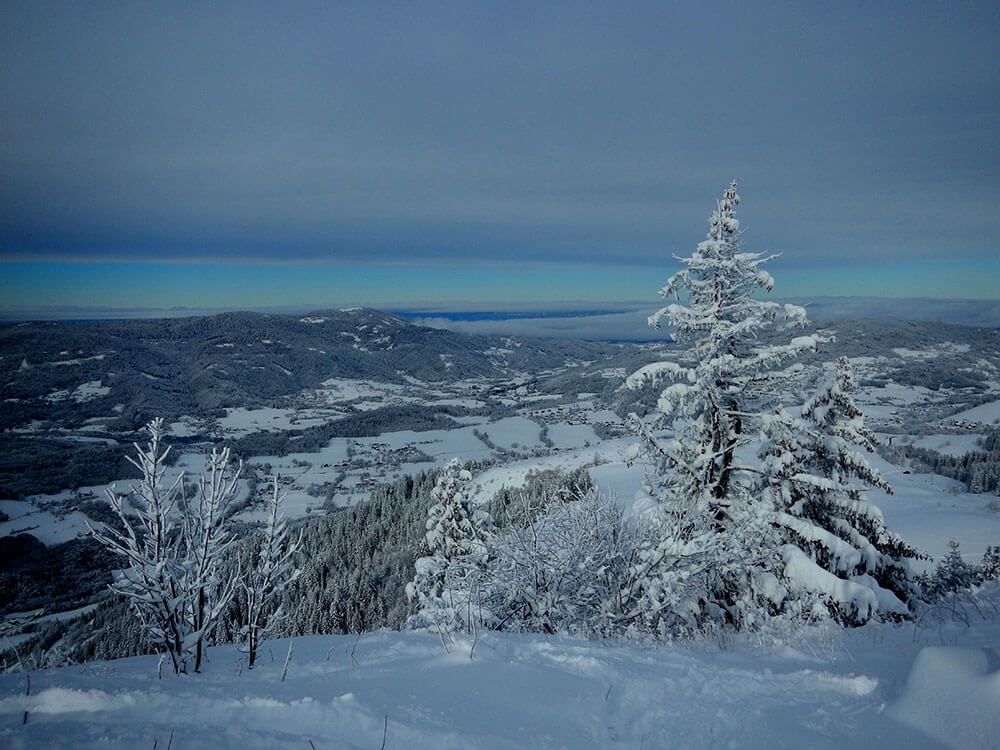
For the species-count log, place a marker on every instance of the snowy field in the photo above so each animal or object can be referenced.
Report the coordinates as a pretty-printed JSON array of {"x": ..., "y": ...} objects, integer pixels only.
[
  {"x": 987, "y": 414},
  {"x": 46, "y": 516},
  {"x": 47, "y": 527},
  {"x": 927, "y": 510},
  {"x": 876, "y": 687},
  {"x": 239, "y": 422},
  {"x": 386, "y": 457},
  {"x": 949, "y": 445},
  {"x": 356, "y": 464}
]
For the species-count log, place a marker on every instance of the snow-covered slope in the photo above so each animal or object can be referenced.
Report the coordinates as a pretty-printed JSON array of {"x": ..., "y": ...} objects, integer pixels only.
[{"x": 875, "y": 687}]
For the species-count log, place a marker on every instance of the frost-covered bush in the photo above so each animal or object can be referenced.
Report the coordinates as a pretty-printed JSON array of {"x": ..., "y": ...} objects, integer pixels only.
[
  {"x": 173, "y": 545},
  {"x": 157, "y": 575},
  {"x": 565, "y": 569},
  {"x": 273, "y": 571},
  {"x": 989, "y": 570},
  {"x": 693, "y": 579}
]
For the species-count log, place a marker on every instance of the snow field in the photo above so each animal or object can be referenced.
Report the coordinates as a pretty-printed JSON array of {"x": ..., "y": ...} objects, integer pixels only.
[
  {"x": 240, "y": 421},
  {"x": 44, "y": 525},
  {"x": 39, "y": 516},
  {"x": 927, "y": 510},
  {"x": 870, "y": 688},
  {"x": 949, "y": 445},
  {"x": 987, "y": 414}
]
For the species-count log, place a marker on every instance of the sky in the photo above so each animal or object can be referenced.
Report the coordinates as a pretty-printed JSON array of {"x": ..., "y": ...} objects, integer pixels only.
[{"x": 215, "y": 155}]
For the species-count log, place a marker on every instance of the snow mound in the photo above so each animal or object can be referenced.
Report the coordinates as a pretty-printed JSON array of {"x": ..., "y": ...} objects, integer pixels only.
[{"x": 953, "y": 694}]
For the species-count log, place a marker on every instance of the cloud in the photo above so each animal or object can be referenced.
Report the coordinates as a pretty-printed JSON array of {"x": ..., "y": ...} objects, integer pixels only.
[
  {"x": 623, "y": 326},
  {"x": 571, "y": 320},
  {"x": 602, "y": 135},
  {"x": 632, "y": 325}
]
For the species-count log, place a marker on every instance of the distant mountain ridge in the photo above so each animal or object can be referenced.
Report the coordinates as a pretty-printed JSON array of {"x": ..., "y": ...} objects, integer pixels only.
[
  {"x": 191, "y": 365},
  {"x": 125, "y": 371}
]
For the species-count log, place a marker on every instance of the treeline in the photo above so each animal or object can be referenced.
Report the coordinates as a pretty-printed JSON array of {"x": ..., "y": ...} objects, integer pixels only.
[
  {"x": 357, "y": 562},
  {"x": 977, "y": 470},
  {"x": 364, "y": 424},
  {"x": 355, "y": 566},
  {"x": 33, "y": 576},
  {"x": 41, "y": 466},
  {"x": 938, "y": 373},
  {"x": 953, "y": 574}
]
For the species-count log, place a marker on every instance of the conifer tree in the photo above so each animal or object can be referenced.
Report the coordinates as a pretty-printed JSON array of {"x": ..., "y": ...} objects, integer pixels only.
[
  {"x": 951, "y": 574},
  {"x": 989, "y": 570},
  {"x": 711, "y": 525},
  {"x": 837, "y": 552},
  {"x": 455, "y": 542}
]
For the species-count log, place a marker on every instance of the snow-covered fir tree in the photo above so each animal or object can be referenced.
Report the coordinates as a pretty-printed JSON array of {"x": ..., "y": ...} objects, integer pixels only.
[
  {"x": 989, "y": 570},
  {"x": 149, "y": 541},
  {"x": 442, "y": 588},
  {"x": 711, "y": 528},
  {"x": 838, "y": 558},
  {"x": 952, "y": 574},
  {"x": 273, "y": 572}
]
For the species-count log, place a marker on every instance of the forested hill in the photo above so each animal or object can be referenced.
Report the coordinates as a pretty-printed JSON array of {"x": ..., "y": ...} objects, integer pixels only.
[{"x": 71, "y": 371}]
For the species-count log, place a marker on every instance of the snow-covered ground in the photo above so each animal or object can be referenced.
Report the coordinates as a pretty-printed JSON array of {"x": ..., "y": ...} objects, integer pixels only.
[
  {"x": 385, "y": 457},
  {"x": 877, "y": 687},
  {"x": 375, "y": 459},
  {"x": 949, "y": 445},
  {"x": 11, "y": 634},
  {"x": 356, "y": 464},
  {"x": 238, "y": 422},
  {"x": 47, "y": 519},
  {"x": 987, "y": 414},
  {"x": 927, "y": 510},
  {"x": 45, "y": 526},
  {"x": 609, "y": 453}
]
